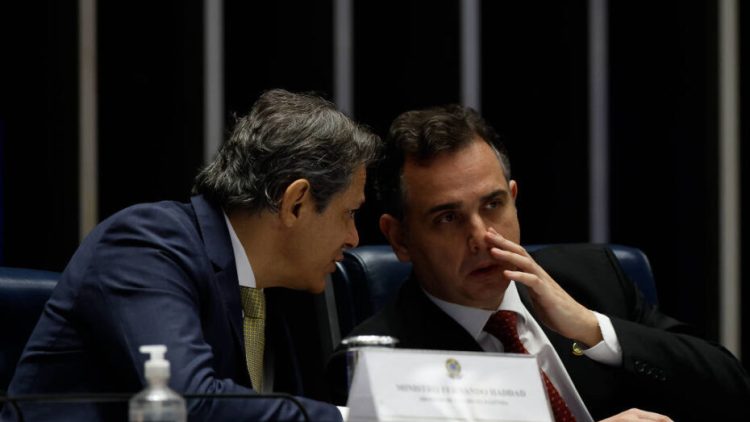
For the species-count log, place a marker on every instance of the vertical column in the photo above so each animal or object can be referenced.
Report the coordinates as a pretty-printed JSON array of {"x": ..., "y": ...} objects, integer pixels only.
[
  {"x": 88, "y": 197},
  {"x": 343, "y": 97},
  {"x": 729, "y": 178},
  {"x": 343, "y": 56},
  {"x": 598, "y": 123},
  {"x": 471, "y": 54},
  {"x": 213, "y": 77}
]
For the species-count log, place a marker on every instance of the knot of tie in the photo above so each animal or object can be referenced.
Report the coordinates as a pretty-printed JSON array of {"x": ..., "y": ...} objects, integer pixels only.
[
  {"x": 253, "y": 302},
  {"x": 502, "y": 325}
]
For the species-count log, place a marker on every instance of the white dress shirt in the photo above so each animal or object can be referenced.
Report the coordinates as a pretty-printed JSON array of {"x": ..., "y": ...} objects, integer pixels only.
[
  {"x": 244, "y": 270},
  {"x": 536, "y": 342}
]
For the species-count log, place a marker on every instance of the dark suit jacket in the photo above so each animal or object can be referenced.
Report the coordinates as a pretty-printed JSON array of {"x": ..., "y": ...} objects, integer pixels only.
[
  {"x": 665, "y": 369},
  {"x": 159, "y": 273}
]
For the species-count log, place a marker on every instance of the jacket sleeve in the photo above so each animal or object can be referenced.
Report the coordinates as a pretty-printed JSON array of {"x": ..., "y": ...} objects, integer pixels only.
[{"x": 673, "y": 370}]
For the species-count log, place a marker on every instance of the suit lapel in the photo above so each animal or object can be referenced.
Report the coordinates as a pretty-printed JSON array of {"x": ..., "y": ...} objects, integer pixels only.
[
  {"x": 427, "y": 326},
  {"x": 219, "y": 250}
]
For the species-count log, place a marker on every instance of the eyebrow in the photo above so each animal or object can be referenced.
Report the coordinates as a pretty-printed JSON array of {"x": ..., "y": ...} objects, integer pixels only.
[{"x": 499, "y": 193}]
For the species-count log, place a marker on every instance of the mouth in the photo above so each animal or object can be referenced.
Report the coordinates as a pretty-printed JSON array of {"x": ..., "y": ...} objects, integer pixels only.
[
  {"x": 332, "y": 265},
  {"x": 485, "y": 270}
]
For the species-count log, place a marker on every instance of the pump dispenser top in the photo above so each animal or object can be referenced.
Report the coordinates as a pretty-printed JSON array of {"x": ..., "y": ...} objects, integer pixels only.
[{"x": 156, "y": 368}]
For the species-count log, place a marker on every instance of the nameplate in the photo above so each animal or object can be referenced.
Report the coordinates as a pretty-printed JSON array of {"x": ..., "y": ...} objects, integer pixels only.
[{"x": 394, "y": 385}]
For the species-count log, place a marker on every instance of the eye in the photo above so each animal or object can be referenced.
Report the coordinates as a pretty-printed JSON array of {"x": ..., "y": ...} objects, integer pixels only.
[
  {"x": 493, "y": 204},
  {"x": 448, "y": 217},
  {"x": 352, "y": 213}
]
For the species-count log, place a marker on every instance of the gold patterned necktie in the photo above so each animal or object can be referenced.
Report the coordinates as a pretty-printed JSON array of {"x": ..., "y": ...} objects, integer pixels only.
[
  {"x": 502, "y": 325},
  {"x": 254, "y": 307}
]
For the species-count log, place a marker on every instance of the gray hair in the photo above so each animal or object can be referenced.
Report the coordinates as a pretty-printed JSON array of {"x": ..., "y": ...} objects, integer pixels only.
[{"x": 285, "y": 137}]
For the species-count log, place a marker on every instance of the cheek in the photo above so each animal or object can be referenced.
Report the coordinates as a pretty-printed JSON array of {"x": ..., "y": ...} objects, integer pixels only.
[
  {"x": 437, "y": 248},
  {"x": 440, "y": 257},
  {"x": 331, "y": 237}
]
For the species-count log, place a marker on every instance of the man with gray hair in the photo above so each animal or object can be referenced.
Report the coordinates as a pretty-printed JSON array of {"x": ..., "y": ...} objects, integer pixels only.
[{"x": 274, "y": 209}]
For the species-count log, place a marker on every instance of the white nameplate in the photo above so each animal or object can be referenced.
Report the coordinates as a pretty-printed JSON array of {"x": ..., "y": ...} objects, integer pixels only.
[{"x": 392, "y": 385}]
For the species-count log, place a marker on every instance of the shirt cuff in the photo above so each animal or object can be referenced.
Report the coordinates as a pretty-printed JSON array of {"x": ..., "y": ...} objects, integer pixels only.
[
  {"x": 344, "y": 412},
  {"x": 607, "y": 351}
]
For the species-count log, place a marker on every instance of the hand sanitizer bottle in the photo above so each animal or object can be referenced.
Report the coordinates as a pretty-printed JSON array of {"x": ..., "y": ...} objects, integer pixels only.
[{"x": 157, "y": 402}]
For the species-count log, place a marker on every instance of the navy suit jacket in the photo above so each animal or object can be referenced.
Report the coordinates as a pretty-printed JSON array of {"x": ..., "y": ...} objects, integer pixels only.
[
  {"x": 665, "y": 367},
  {"x": 160, "y": 273}
]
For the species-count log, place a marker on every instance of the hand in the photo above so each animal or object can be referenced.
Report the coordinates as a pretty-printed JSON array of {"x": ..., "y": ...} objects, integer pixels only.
[
  {"x": 556, "y": 309},
  {"x": 637, "y": 415}
]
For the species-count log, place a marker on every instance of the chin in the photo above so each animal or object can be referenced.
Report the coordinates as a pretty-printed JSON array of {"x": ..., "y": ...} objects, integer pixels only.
[
  {"x": 488, "y": 294},
  {"x": 317, "y": 287}
]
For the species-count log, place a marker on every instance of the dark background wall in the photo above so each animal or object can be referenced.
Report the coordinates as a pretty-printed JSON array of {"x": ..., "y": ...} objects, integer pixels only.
[
  {"x": 663, "y": 116},
  {"x": 664, "y": 154},
  {"x": 39, "y": 133}
]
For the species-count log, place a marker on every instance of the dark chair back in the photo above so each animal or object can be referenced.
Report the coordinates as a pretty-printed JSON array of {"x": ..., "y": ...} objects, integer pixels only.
[
  {"x": 369, "y": 276},
  {"x": 634, "y": 263},
  {"x": 23, "y": 293}
]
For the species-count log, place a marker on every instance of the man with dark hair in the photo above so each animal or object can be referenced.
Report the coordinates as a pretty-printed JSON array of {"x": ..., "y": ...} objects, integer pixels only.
[
  {"x": 603, "y": 350},
  {"x": 274, "y": 209}
]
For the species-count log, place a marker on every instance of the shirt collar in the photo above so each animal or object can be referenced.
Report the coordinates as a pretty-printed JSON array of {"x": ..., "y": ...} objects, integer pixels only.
[
  {"x": 474, "y": 319},
  {"x": 244, "y": 270}
]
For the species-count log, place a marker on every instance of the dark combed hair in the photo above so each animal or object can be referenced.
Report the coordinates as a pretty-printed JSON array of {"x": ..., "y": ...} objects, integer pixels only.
[
  {"x": 424, "y": 134},
  {"x": 285, "y": 137}
]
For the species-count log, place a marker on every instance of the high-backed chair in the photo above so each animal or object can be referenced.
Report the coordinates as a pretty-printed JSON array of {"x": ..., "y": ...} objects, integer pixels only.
[
  {"x": 370, "y": 275},
  {"x": 23, "y": 293}
]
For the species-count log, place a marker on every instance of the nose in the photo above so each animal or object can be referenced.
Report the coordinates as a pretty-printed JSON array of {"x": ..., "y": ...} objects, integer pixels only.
[
  {"x": 352, "y": 237},
  {"x": 476, "y": 230}
]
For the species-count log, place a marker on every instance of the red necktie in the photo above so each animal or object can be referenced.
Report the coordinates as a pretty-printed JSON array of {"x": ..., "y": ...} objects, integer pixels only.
[{"x": 502, "y": 325}]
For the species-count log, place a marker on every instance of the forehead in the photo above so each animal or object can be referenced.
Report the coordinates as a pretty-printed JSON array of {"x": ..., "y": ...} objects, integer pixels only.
[
  {"x": 355, "y": 192},
  {"x": 457, "y": 176}
]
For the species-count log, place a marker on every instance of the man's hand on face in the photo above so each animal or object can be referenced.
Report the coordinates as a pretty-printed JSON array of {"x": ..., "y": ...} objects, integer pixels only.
[
  {"x": 637, "y": 415},
  {"x": 556, "y": 309}
]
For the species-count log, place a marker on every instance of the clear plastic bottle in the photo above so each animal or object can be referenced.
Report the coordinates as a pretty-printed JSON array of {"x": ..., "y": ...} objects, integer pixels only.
[{"x": 157, "y": 402}]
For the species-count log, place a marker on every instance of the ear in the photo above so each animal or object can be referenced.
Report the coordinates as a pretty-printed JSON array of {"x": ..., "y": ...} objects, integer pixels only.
[
  {"x": 513, "y": 189},
  {"x": 393, "y": 230},
  {"x": 296, "y": 200}
]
